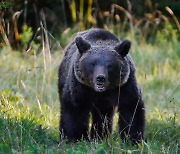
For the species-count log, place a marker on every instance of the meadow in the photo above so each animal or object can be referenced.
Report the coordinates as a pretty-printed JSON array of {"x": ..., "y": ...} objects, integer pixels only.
[{"x": 29, "y": 102}]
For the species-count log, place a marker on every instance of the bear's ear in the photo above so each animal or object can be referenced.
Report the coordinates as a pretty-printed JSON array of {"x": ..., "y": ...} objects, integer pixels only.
[
  {"x": 123, "y": 48},
  {"x": 82, "y": 44}
]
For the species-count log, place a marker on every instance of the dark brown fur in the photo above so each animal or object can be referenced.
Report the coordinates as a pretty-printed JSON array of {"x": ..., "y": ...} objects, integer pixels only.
[{"x": 97, "y": 53}]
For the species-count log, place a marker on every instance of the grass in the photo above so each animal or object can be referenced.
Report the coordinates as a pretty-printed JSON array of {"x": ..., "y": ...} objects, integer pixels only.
[{"x": 29, "y": 103}]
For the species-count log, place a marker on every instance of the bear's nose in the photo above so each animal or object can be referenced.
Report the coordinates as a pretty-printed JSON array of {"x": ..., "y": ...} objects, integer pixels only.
[{"x": 100, "y": 79}]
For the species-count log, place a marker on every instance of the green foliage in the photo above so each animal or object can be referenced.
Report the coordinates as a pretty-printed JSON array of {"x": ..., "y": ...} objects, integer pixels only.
[
  {"x": 101, "y": 149},
  {"x": 26, "y": 36},
  {"x": 5, "y": 5},
  {"x": 166, "y": 34}
]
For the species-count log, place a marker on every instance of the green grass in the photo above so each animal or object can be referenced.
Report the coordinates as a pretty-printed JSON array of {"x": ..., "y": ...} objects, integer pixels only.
[{"x": 29, "y": 103}]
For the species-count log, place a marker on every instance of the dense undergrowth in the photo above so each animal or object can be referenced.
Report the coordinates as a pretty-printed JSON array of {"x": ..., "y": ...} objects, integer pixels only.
[{"x": 29, "y": 103}]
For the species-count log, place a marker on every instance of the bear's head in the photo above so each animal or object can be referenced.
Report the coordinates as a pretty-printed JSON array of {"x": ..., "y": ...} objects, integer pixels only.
[{"x": 101, "y": 67}]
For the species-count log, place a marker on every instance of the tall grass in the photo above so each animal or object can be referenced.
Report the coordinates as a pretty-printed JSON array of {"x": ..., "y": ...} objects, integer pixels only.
[{"x": 29, "y": 103}]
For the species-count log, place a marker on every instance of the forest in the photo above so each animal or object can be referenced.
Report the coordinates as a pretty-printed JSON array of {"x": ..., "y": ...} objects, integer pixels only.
[{"x": 33, "y": 35}]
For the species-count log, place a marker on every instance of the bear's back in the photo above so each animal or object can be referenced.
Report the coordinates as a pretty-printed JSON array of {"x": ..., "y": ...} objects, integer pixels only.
[{"x": 97, "y": 36}]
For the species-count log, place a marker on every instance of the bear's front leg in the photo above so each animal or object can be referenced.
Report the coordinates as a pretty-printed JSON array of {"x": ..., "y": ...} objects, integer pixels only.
[
  {"x": 131, "y": 112},
  {"x": 102, "y": 120},
  {"x": 74, "y": 124},
  {"x": 131, "y": 121}
]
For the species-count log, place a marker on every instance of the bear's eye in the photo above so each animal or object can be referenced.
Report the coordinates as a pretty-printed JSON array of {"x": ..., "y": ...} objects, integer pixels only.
[
  {"x": 92, "y": 64},
  {"x": 110, "y": 66}
]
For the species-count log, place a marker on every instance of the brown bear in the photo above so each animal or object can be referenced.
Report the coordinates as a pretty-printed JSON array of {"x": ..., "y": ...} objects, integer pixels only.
[{"x": 97, "y": 76}]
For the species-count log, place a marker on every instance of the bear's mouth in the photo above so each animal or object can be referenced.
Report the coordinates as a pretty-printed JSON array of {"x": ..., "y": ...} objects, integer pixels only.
[{"x": 100, "y": 87}]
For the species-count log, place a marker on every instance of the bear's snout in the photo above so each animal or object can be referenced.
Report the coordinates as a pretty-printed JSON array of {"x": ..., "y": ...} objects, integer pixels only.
[
  {"x": 101, "y": 79},
  {"x": 100, "y": 83}
]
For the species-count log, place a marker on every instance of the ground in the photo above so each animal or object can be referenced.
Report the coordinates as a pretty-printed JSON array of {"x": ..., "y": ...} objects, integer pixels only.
[{"x": 29, "y": 103}]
